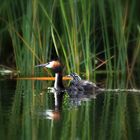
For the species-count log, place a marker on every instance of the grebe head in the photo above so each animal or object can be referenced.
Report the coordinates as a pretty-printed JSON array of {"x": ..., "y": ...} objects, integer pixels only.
[
  {"x": 57, "y": 68},
  {"x": 55, "y": 65}
]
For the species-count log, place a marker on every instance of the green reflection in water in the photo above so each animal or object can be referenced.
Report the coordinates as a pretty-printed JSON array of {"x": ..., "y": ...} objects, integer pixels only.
[{"x": 28, "y": 112}]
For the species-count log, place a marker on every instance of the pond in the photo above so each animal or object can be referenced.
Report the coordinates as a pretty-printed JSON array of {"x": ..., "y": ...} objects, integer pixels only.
[{"x": 29, "y": 111}]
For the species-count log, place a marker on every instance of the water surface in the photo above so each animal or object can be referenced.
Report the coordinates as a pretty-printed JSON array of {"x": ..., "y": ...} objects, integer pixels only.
[{"x": 29, "y": 111}]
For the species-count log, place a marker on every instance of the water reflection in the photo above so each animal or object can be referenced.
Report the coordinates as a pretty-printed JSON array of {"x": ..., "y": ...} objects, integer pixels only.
[
  {"x": 55, "y": 112},
  {"x": 28, "y": 112},
  {"x": 73, "y": 100}
]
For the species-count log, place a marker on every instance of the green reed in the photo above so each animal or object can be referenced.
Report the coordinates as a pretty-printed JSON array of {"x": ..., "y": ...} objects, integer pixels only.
[
  {"x": 81, "y": 33},
  {"x": 30, "y": 35}
]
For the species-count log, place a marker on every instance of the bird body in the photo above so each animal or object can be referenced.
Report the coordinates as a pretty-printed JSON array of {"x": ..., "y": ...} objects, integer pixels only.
[{"x": 77, "y": 85}]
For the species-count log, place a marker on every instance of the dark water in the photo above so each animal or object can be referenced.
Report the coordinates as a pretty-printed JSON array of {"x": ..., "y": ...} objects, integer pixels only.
[{"x": 29, "y": 111}]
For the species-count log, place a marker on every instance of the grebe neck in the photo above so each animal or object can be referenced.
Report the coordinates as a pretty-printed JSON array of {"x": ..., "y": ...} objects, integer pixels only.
[{"x": 58, "y": 81}]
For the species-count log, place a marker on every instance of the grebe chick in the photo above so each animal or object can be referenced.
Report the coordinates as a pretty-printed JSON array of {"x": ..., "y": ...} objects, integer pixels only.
[
  {"x": 56, "y": 66},
  {"x": 81, "y": 85}
]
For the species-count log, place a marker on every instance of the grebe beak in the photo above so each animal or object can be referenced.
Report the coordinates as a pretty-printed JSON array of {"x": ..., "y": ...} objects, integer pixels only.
[
  {"x": 47, "y": 65},
  {"x": 41, "y": 65}
]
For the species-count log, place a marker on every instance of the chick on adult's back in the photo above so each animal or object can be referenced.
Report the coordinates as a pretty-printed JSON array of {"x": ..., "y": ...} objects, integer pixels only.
[{"x": 81, "y": 85}]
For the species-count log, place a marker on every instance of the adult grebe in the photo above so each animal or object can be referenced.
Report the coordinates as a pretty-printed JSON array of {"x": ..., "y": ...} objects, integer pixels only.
[
  {"x": 77, "y": 85},
  {"x": 82, "y": 85},
  {"x": 56, "y": 66}
]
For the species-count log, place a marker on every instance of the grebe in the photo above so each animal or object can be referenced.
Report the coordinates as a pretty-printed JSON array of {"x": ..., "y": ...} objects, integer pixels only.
[
  {"x": 82, "y": 85},
  {"x": 77, "y": 85},
  {"x": 56, "y": 66}
]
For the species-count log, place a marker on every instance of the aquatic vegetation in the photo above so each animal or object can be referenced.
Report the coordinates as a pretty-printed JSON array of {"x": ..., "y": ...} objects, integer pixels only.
[{"x": 85, "y": 34}]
